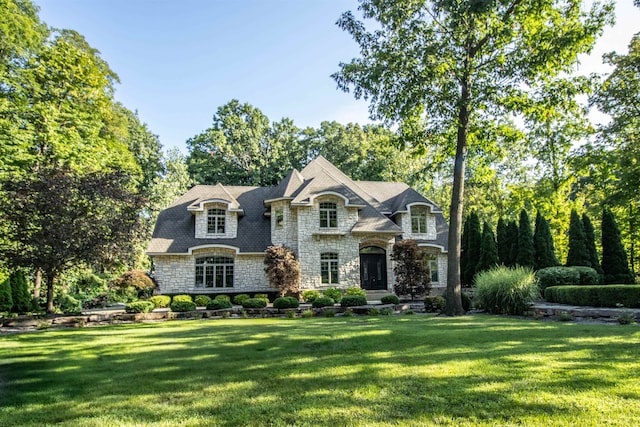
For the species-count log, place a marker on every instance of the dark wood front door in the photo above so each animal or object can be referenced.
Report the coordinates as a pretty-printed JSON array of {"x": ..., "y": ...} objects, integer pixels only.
[{"x": 373, "y": 271}]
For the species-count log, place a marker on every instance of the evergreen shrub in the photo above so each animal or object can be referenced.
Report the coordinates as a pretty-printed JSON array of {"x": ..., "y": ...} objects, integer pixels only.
[
  {"x": 355, "y": 292},
  {"x": 22, "y": 300},
  {"x": 181, "y": 298},
  {"x": 588, "y": 276},
  {"x": 310, "y": 295},
  {"x": 182, "y": 306},
  {"x": 223, "y": 297},
  {"x": 504, "y": 290},
  {"x": 140, "y": 307},
  {"x": 333, "y": 293},
  {"x": 262, "y": 296},
  {"x": 557, "y": 276},
  {"x": 219, "y": 304},
  {"x": 390, "y": 299},
  {"x": 286, "y": 302},
  {"x": 595, "y": 296},
  {"x": 322, "y": 302},
  {"x": 160, "y": 301},
  {"x": 6, "y": 301},
  {"x": 238, "y": 299},
  {"x": 434, "y": 303},
  {"x": 202, "y": 300},
  {"x": 254, "y": 303},
  {"x": 353, "y": 301}
]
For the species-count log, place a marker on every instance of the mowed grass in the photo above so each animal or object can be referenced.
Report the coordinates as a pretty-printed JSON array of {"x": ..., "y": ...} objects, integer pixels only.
[{"x": 396, "y": 371}]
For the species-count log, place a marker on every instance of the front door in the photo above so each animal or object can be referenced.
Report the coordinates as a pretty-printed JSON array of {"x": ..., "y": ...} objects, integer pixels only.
[{"x": 373, "y": 271}]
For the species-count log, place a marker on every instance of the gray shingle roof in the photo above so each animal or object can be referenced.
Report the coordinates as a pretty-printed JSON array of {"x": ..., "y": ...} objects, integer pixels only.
[{"x": 175, "y": 227}]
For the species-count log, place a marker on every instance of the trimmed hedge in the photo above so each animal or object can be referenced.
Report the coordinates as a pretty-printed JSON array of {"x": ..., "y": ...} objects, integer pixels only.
[
  {"x": 595, "y": 296},
  {"x": 202, "y": 300},
  {"x": 238, "y": 299},
  {"x": 390, "y": 299},
  {"x": 333, "y": 293},
  {"x": 286, "y": 302},
  {"x": 567, "y": 276},
  {"x": 262, "y": 296},
  {"x": 218, "y": 304},
  {"x": 160, "y": 301},
  {"x": 255, "y": 303},
  {"x": 322, "y": 302},
  {"x": 310, "y": 295},
  {"x": 181, "y": 298},
  {"x": 223, "y": 297},
  {"x": 181, "y": 306},
  {"x": 352, "y": 301},
  {"x": 140, "y": 307}
]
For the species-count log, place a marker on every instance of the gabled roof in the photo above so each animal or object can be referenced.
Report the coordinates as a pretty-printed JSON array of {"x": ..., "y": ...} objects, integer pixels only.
[
  {"x": 215, "y": 193},
  {"x": 288, "y": 187}
]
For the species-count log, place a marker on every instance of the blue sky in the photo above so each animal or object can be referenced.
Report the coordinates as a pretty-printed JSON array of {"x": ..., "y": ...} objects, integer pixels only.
[{"x": 178, "y": 61}]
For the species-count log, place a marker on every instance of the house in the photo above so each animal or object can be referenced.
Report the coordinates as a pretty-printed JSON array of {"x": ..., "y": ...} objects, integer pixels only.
[{"x": 213, "y": 238}]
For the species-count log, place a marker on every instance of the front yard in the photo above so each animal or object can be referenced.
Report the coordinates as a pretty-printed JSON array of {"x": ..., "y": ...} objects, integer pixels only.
[{"x": 395, "y": 370}]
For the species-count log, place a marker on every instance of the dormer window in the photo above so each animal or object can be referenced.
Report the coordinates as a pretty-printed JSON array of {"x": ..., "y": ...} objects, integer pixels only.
[
  {"x": 279, "y": 218},
  {"x": 419, "y": 220},
  {"x": 328, "y": 215},
  {"x": 216, "y": 221}
]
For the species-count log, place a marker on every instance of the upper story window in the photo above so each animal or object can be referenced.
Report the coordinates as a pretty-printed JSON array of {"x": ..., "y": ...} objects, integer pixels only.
[
  {"x": 329, "y": 268},
  {"x": 328, "y": 215},
  {"x": 214, "y": 272},
  {"x": 279, "y": 218},
  {"x": 215, "y": 221},
  {"x": 419, "y": 220}
]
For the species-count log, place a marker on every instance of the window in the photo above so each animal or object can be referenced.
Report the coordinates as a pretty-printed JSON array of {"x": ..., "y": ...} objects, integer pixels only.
[
  {"x": 328, "y": 215},
  {"x": 329, "y": 268},
  {"x": 419, "y": 221},
  {"x": 214, "y": 272},
  {"x": 215, "y": 221},
  {"x": 279, "y": 218},
  {"x": 432, "y": 263}
]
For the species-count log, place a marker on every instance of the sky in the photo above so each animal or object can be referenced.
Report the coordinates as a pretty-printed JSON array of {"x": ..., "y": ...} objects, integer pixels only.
[{"x": 178, "y": 61}]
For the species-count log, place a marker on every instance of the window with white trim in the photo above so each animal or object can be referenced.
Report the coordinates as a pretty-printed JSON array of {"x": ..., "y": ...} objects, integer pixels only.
[
  {"x": 432, "y": 263},
  {"x": 328, "y": 215},
  {"x": 419, "y": 220},
  {"x": 216, "y": 221},
  {"x": 214, "y": 272},
  {"x": 329, "y": 268}
]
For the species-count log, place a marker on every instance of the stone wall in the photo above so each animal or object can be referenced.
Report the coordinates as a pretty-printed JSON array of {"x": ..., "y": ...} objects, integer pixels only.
[{"x": 405, "y": 223}]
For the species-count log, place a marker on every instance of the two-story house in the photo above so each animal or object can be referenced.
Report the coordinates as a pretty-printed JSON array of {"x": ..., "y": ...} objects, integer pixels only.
[{"x": 213, "y": 238}]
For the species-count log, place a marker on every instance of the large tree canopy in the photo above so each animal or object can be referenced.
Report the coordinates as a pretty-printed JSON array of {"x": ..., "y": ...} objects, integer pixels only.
[{"x": 458, "y": 66}]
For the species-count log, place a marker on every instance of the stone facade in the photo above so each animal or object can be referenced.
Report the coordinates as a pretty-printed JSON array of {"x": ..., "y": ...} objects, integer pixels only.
[{"x": 230, "y": 223}]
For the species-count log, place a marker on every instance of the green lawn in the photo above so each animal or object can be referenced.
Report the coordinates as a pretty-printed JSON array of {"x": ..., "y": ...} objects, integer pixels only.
[{"x": 408, "y": 370}]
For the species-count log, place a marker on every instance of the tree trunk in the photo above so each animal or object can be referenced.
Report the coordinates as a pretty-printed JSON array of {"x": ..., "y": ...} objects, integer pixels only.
[
  {"x": 454, "y": 289},
  {"x": 50, "y": 279},
  {"x": 36, "y": 284}
]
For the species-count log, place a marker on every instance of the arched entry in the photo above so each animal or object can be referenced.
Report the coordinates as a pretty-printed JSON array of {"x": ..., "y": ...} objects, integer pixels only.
[{"x": 373, "y": 268}]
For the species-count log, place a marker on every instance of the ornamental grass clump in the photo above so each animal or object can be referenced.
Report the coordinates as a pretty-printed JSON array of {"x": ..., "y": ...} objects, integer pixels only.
[{"x": 504, "y": 290}]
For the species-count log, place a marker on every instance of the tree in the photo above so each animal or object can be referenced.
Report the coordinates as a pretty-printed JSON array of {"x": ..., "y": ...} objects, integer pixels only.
[
  {"x": 411, "y": 271},
  {"x": 454, "y": 67},
  {"x": 473, "y": 238},
  {"x": 6, "y": 301},
  {"x": 578, "y": 253},
  {"x": 283, "y": 269},
  {"x": 242, "y": 148},
  {"x": 57, "y": 219},
  {"x": 614, "y": 257},
  {"x": 488, "y": 251},
  {"x": 543, "y": 243},
  {"x": 590, "y": 242},
  {"x": 19, "y": 293},
  {"x": 526, "y": 252},
  {"x": 512, "y": 241}
]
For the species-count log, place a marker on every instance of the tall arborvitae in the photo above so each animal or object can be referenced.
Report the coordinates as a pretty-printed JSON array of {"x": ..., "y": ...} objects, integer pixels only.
[
  {"x": 614, "y": 257},
  {"x": 474, "y": 240},
  {"x": 6, "y": 302},
  {"x": 578, "y": 253},
  {"x": 543, "y": 244},
  {"x": 488, "y": 250},
  {"x": 526, "y": 252},
  {"x": 512, "y": 243},
  {"x": 19, "y": 293},
  {"x": 590, "y": 241},
  {"x": 501, "y": 242}
]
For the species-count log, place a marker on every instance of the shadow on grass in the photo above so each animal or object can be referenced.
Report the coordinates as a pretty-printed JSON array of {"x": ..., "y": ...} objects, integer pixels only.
[{"x": 316, "y": 372}]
